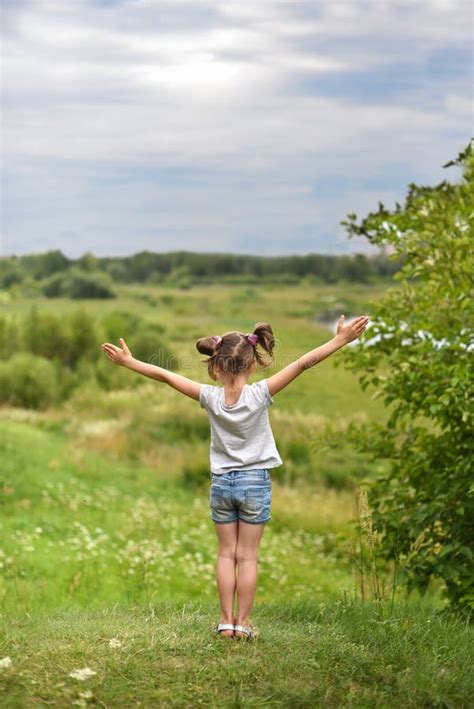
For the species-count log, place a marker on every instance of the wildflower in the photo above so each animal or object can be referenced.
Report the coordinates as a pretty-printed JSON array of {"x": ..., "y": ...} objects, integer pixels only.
[
  {"x": 115, "y": 643},
  {"x": 82, "y": 674},
  {"x": 5, "y": 662}
]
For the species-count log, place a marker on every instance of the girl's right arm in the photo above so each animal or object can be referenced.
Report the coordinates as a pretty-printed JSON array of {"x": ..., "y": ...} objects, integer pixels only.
[
  {"x": 345, "y": 334},
  {"x": 124, "y": 358}
]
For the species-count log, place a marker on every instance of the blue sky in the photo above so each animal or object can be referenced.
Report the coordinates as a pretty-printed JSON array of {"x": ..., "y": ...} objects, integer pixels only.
[{"x": 245, "y": 126}]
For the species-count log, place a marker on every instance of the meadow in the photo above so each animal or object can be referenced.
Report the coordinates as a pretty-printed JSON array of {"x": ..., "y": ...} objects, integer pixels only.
[{"x": 107, "y": 551}]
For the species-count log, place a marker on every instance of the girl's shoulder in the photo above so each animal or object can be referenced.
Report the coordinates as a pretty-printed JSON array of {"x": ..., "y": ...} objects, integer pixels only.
[
  {"x": 261, "y": 393},
  {"x": 208, "y": 394}
]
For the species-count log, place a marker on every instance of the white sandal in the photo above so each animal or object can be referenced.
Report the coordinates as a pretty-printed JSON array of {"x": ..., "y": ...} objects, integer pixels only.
[
  {"x": 224, "y": 626},
  {"x": 247, "y": 630}
]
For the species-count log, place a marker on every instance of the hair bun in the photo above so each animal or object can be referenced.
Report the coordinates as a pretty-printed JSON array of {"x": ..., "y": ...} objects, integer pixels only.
[{"x": 209, "y": 345}]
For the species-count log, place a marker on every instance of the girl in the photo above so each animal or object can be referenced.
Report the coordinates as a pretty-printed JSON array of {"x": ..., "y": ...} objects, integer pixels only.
[{"x": 242, "y": 449}]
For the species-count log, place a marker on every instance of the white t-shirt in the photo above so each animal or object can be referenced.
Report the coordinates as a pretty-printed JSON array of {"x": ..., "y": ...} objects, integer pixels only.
[{"x": 241, "y": 436}]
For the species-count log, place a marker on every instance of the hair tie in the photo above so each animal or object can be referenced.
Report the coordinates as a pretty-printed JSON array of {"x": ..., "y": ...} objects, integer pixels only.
[
  {"x": 252, "y": 338},
  {"x": 217, "y": 339}
]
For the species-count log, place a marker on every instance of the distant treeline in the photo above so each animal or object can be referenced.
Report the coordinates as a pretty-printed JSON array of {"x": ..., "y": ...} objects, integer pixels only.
[{"x": 91, "y": 276}]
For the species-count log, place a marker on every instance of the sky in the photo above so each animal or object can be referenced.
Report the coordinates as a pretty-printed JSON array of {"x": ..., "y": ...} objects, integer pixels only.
[{"x": 241, "y": 126}]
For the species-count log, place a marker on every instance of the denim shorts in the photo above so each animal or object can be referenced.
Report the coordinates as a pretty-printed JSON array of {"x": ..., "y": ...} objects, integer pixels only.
[{"x": 241, "y": 494}]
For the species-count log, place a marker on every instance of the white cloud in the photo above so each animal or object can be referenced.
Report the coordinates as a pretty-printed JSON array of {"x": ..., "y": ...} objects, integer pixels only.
[{"x": 238, "y": 89}]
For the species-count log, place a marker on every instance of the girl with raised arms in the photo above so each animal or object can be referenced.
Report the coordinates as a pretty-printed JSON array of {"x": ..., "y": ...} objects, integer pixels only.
[{"x": 242, "y": 450}]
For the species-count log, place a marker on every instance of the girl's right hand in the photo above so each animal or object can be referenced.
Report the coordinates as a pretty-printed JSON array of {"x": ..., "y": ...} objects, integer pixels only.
[
  {"x": 118, "y": 355},
  {"x": 354, "y": 329}
]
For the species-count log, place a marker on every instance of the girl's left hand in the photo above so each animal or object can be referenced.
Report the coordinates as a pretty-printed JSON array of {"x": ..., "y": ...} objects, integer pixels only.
[
  {"x": 119, "y": 356},
  {"x": 354, "y": 329}
]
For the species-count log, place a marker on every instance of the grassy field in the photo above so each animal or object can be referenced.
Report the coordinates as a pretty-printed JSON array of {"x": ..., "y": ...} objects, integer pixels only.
[
  {"x": 105, "y": 536},
  {"x": 109, "y": 569},
  {"x": 309, "y": 654},
  {"x": 82, "y": 529}
]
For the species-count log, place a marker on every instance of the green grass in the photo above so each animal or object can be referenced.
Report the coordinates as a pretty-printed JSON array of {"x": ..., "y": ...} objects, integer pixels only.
[
  {"x": 307, "y": 654},
  {"x": 105, "y": 533},
  {"x": 79, "y": 528},
  {"x": 127, "y": 553},
  {"x": 156, "y": 434}
]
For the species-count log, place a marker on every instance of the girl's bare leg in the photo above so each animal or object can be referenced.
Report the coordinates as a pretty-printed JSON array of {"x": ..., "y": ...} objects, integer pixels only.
[
  {"x": 225, "y": 571},
  {"x": 248, "y": 541}
]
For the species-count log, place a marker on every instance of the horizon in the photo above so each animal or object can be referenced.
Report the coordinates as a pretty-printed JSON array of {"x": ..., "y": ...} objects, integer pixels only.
[{"x": 351, "y": 254}]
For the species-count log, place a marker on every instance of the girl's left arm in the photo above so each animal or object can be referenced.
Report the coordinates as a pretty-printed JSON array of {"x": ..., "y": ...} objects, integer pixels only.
[
  {"x": 344, "y": 334},
  {"x": 124, "y": 358}
]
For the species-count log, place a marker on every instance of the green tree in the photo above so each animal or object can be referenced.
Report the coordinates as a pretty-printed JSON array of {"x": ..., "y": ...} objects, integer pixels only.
[
  {"x": 11, "y": 334},
  {"x": 46, "y": 334},
  {"x": 77, "y": 283},
  {"x": 83, "y": 337},
  {"x": 45, "y": 264},
  {"x": 417, "y": 355},
  {"x": 65, "y": 338},
  {"x": 88, "y": 262},
  {"x": 10, "y": 272}
]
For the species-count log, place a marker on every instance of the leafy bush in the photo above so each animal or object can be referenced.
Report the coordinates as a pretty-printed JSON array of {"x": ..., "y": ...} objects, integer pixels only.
[
  {"x": 84, "y": 337},
  {"x": 55, "y": 285},
  {"x": 45, "y": 264},
  {"x": 109, "y": 377},
  {"x": 196, "y": 475},
  {"x": 420, "y": 362},
  {"x": 89, "y": 285},
  {"x": 72, "y": 340},
  {"x": 147, "y": 344},
  {"x": 180, "y": 277},
  {"x": 66, "y": 338},
  {"x": 145, "y": 339},
  {"x": 78, "y": 283},
  {"x": 119, "y": 323},
  {"x": 28, "y": 380},
  {"x": 298, "y": 451},
  {"x": 10, "y": 273},
  {"x": 11, "y": 335}
]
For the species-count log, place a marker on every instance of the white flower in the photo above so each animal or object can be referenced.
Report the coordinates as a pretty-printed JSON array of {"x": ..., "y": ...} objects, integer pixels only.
[
  {"x": 5, "y": 662},
  {"x": 82, "y": 674},
  {"x": 83, "y": 697},
  {"x": 115, "y": 642}
]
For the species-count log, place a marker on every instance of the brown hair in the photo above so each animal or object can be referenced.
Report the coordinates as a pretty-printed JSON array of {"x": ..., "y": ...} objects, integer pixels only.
[{"x": 234, "y": 353}]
